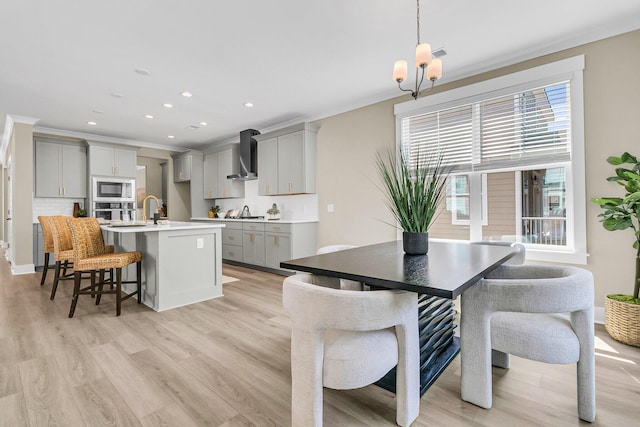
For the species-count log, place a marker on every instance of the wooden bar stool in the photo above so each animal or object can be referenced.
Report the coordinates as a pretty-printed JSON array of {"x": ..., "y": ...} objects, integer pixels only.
[
  {"x": 47, "y": 238},
  {"x": 90, "y": 255},
  {"x": 63, "y": 249}
]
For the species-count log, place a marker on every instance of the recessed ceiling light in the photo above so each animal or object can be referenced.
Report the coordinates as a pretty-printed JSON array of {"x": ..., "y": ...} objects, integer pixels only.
[
  {"x": 203, "y": 123},
  {"x": 186, "y": 94},
  {"x": 92, "y": 123},
  {"x": 143, "y": 72},
  {"x": 117, "y": 95},
  {"x": 248, "y": 104},
  {"x": 171, "y": 136},
  {"x": 167, "y": 105},
  {"x": 148, "y": 116}
]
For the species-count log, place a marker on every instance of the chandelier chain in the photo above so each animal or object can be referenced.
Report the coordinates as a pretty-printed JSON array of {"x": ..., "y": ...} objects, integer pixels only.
[{"x": 418, "y": 20}]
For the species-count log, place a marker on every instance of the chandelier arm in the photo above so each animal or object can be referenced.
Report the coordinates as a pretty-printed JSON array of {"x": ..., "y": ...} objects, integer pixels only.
[{"x": 405, "y": 90}]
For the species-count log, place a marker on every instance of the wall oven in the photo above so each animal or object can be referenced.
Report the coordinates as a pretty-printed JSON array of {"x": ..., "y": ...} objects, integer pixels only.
[
  {"x": 114, "y": 210},
  {"x": 114, "y": 189}
]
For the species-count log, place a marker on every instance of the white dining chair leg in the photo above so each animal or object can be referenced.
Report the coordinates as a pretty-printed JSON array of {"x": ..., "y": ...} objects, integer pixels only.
[{"x": 306, "y": 378}]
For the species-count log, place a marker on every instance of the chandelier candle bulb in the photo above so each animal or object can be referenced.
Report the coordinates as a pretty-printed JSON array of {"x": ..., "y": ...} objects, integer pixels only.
[
  {"x": 434, "y": 72},
  {"x": 423, "y": 54},
  {"x": 400, "y": 71}
]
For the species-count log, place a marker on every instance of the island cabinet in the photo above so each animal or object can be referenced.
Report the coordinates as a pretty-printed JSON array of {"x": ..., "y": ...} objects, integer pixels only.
[
  {"x": 217, "y": 166},
  {"x": 60, "y": 169},
  {"x": 287, "y": 160},
  {"x": 182, "y": 164},
  {"x": 107, "y": 160},
  {"x": 232, "y": 240},
  {"x": 253, "y": 243}
]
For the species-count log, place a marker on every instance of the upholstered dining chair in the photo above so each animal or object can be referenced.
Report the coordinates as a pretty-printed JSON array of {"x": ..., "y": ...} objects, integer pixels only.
[
  {"x": 90, "y": 255},
  {"x": 344, "y": 339},
  {"x": 347, "y": 284},
  {"x": 47, "y": 243},
  {"x": 520, "y": 310}
]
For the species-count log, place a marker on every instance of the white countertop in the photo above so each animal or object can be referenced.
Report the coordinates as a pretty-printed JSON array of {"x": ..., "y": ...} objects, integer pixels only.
[
  {"x": 265, "y": 220},
  {"x": 138, "y": 227}
]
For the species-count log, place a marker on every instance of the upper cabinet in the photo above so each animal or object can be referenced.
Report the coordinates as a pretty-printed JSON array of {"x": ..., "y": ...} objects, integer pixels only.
[
  {"x": 287, "y": 160},
  {"x": 60, "y": 169},
  {"x": 182, "y": 164},
  {"x": 217, "y": 166},
  {"x": 107, "y": 160}
]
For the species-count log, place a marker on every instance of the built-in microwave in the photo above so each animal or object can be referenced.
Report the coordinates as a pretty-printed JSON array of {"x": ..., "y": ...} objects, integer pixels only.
[{"x": 114, "y": 189}]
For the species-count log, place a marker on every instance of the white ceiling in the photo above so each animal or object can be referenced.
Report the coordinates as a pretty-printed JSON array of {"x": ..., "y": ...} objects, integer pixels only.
[{"x": 61, "y": 61}]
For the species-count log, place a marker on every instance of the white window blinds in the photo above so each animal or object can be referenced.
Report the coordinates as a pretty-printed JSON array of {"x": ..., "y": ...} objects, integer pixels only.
[{"x": 524, "y": 128}]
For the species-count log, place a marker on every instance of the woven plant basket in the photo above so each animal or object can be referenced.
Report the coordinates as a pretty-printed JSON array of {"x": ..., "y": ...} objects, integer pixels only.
[{"x": 622, "y": 321}]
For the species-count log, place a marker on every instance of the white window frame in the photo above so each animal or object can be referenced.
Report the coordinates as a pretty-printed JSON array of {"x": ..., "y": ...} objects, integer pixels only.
[
  {"x": 453, "y": 195},
  {"x": 571, "y": 69}
]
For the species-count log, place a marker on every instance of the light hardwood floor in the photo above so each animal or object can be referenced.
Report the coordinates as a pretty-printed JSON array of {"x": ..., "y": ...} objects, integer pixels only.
[{"x": 225, "y": 362}]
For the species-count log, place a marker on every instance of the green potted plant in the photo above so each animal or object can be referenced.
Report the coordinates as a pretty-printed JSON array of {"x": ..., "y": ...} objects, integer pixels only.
[
  {"x": 622, "y": 312},
  {"x": 273, "y": 212},
  {"x": 413, "y": 195}
]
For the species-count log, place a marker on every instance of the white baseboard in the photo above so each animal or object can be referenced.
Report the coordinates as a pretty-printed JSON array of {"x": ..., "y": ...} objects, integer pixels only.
[
  {"x": 23, "y": 269},
  {"x": 598, "y": 315}
]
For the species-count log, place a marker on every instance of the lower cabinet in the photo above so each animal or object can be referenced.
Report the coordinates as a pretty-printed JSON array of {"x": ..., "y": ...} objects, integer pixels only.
[
  {"x": 232, "y": 241},
  {"x": 277, "y": 248},
  {"x": 253, "y": 243},
  {"x": 267, "y": 244}
]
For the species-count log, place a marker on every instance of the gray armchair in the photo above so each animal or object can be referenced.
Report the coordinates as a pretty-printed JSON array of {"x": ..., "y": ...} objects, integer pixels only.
[{"x": 520, "y": 310}]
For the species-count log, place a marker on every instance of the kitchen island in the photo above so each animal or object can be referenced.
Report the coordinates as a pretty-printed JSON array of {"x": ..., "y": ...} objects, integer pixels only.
[{"x": 182, "y": 261}]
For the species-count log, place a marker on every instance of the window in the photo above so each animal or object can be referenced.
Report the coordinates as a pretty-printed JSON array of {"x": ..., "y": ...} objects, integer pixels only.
[{"x": 515, "y": 145}]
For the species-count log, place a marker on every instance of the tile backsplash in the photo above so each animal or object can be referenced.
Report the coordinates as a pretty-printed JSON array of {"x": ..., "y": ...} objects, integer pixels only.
[
  {"x": 297, "y": 207},
  {"x": 54, "y": 206}
]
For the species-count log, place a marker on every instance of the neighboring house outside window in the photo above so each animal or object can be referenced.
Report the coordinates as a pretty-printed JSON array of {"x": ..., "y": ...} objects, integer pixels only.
[{"x": 516, "y": 147}]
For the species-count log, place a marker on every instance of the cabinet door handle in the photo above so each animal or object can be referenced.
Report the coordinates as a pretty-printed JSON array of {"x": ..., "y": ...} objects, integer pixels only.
[
  {"x": 276, "y": 240},
  {"x": 64, "y": 191},
  {"x": 230, "y": 237},
  {"x": 251, "y": 238}
]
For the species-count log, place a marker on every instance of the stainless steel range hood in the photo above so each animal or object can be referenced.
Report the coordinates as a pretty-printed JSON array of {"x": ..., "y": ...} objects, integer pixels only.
[{"x": 248, "y": 156}]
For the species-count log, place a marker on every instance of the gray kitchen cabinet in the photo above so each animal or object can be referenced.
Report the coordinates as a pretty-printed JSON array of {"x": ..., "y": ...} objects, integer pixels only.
[
  {"x": 60, "y": 169},
  {"x": 287, "y": 160},
  {"x": 253, "y": 243},
  {"x": 277, "y": 248},
  {"x": 285, "y": 241},
  {"x": 217, "y": 166},
  {"x": 182, "y": 167},
  {"x": 106, "y": 160},
  {"x": 210, "y": 176},
  {"x": 228, "y": 165},
  {"x": 268, "y": 166},
  {"x": 232, "y": 241}
]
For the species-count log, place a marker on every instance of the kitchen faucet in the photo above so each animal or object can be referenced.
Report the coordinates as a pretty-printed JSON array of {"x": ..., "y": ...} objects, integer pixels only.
[
  {"x": 246, "y": 208},
  {"x": 144, "y": 202}
]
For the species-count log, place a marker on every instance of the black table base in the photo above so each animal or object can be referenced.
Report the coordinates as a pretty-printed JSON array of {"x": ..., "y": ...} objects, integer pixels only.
[{"x": 438, "y": 345}]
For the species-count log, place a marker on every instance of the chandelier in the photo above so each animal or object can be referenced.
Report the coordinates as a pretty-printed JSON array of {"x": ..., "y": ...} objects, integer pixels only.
[{"x": 424, "y": 62}]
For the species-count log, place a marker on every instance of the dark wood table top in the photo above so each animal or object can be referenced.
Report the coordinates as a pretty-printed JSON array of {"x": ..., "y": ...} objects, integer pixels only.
[{"x": 446, "y": 271}]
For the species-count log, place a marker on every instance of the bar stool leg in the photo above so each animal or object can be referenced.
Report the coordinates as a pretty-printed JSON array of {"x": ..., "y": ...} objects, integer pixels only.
[
  {"x": 45, "y": 268},
  {"x": 56, "y": 279},
  {"x": 139, "y": 280},
  {"x": 77, "y": 276},
  {"x": 100, "y": 284},
  {"x": 118, "y": 290}
]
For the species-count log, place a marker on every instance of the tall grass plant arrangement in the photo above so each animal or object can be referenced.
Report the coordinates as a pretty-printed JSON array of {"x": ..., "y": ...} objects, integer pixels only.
[{"x": 413, "y": 194}]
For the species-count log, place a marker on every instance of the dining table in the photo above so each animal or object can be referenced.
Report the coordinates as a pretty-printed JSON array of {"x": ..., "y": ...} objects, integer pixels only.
[{"x": 439, "y": 277}]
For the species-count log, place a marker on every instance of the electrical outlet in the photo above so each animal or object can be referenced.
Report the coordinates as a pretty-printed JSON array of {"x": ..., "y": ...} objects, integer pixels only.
[
  {"x": 199, "y": 243},
  {"x": 330, "y": 207}
]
